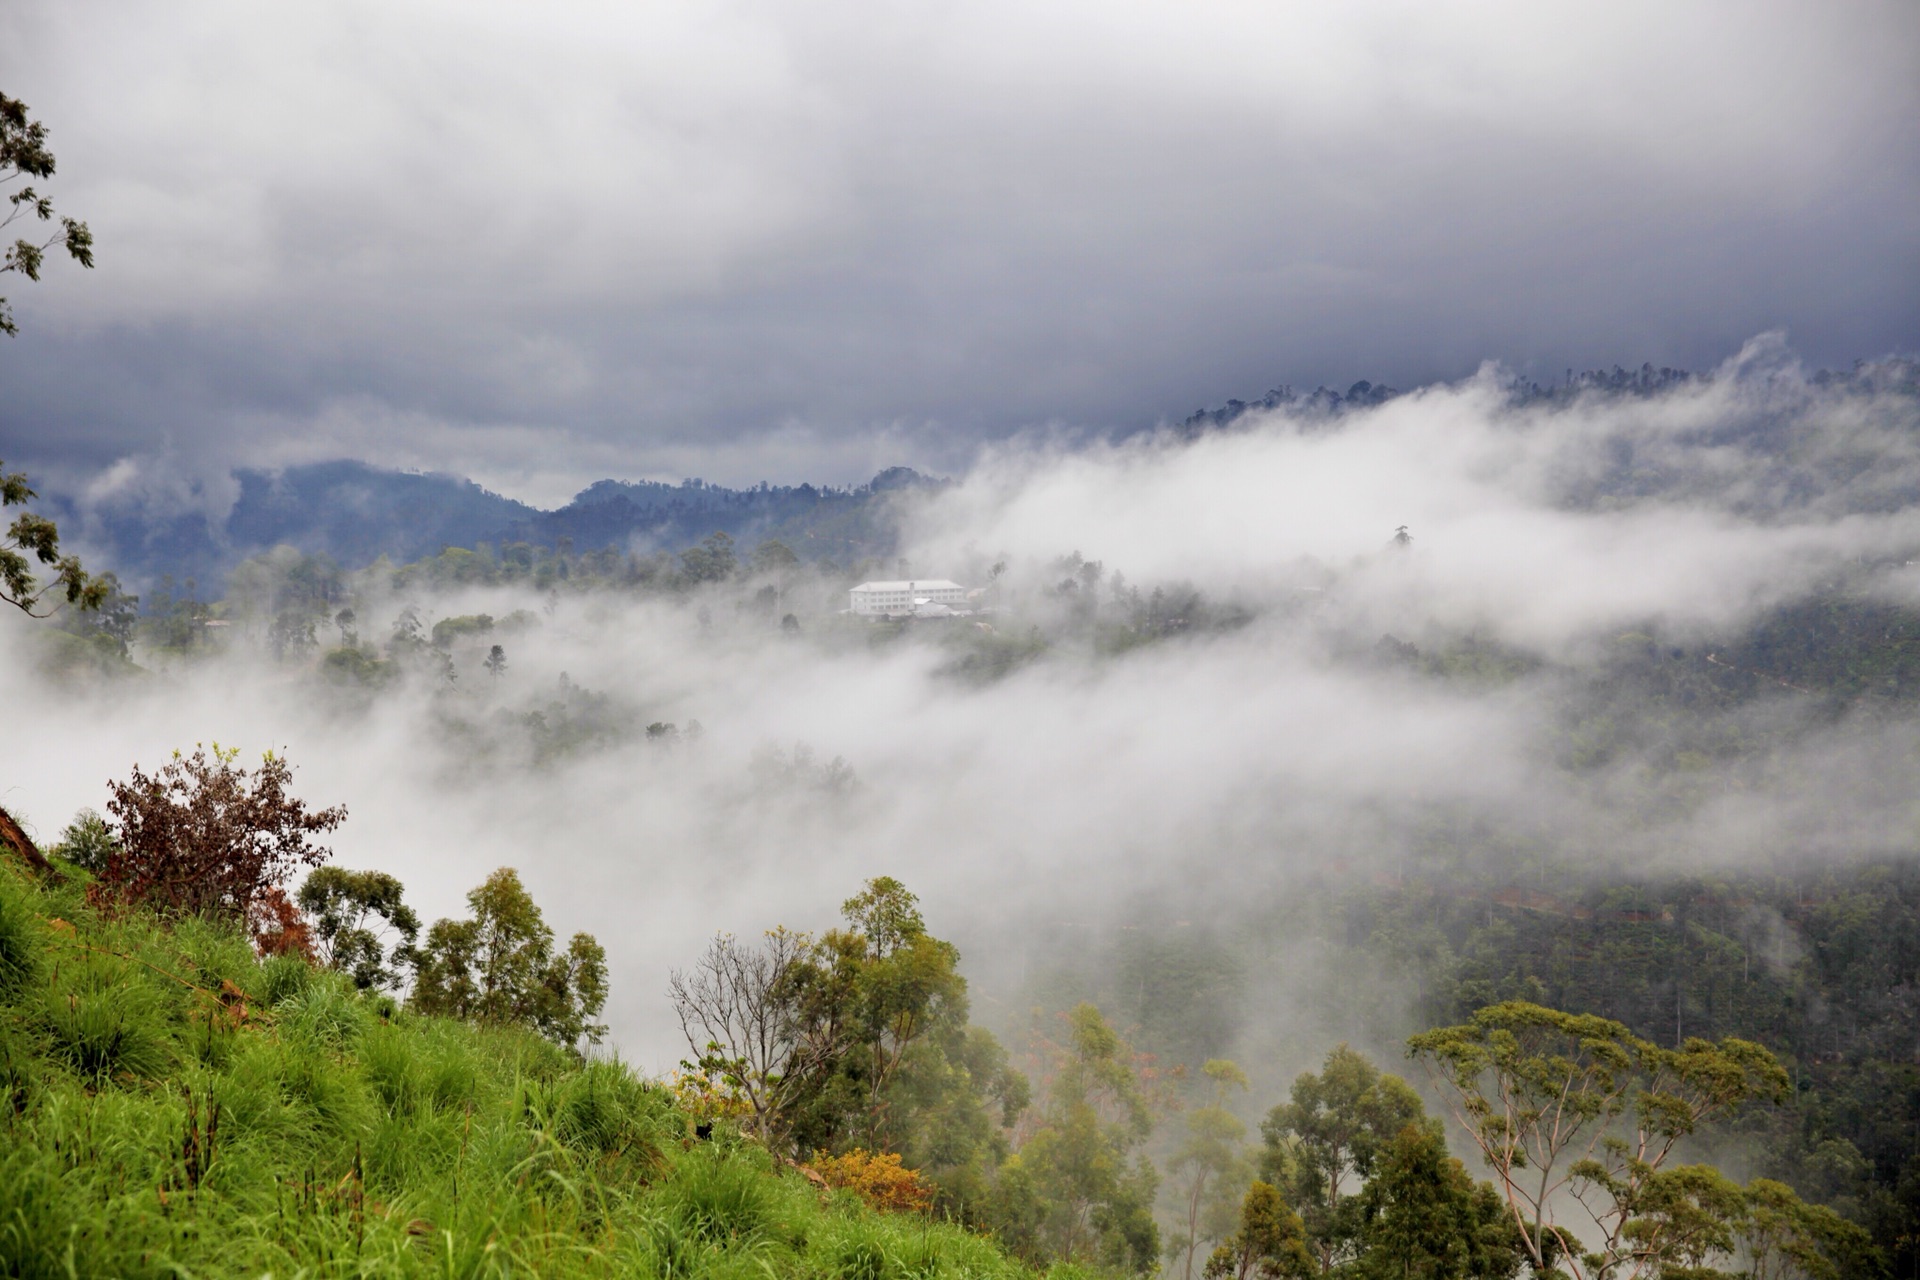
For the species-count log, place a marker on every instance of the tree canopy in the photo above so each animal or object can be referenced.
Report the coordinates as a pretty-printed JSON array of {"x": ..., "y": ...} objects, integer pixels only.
[{"x": 501, "y": 967}]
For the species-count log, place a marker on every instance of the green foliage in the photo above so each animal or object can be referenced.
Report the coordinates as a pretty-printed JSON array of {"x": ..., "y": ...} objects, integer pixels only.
[
  {"x": 340, "y": 903},
  {"x": 235, "y": 1121},
  {"x": 1076, "y": 1189},
  {"x": 856, "y": 1038},
  {"x": 1327, "y": 1138},
  {"x": 24, "y": 154},
  {"x": 88, "y": 842},
  {"x": 712, "y": 561},
  {"x": 500, "y": 967},
  {"x": 31, "y": 537},
  {"x": 356, "y": 667},
  {"x": 108, "y": 627},
  {"x": 1423, "y": 1216},
  {"x": 1562, "y": 1103},
  {"x": 176, "y": 621},
  {"x": 1269, "y": 1242},
  {"x": 1783, "y": 1236},
  {"x": 448, "y": 630},
  {"x": 1813, "y": 963},
  {"x": 1209, "y": 1168},
  {"x": 773, "y": 557},
  {"x": 20, "y": 940},
  {"x": 1184, "y": 990}
]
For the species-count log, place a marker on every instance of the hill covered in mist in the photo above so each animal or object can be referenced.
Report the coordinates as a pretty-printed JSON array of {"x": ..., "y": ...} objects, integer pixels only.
[
  {"x": 354, "y": 514},
  {"x": 1300, "y": 729}
]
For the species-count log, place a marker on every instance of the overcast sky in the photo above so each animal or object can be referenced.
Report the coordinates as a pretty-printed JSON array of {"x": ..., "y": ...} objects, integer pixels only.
[{"x": 538, "y": 244}]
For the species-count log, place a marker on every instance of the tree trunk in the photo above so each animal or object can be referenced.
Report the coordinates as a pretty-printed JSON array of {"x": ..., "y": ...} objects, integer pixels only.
[{"x": 11, "y": 836}]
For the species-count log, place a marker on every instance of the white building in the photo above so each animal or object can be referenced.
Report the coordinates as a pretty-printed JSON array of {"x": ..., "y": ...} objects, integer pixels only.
[{"x": 877, "y": 599}]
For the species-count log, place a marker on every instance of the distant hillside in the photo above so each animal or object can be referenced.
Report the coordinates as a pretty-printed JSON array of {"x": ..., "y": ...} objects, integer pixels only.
[
  {"x": 357, "y": 513},
  {"x": 1893, "y": 374},
  {"x": 817, "y": 522}
]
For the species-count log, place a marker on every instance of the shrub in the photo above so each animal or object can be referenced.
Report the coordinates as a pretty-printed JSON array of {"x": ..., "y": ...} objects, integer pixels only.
[
  {"x": 877, "y": 1178},
  {"x": 202, "y": 837},
  {"x": 87, "y": 843}
]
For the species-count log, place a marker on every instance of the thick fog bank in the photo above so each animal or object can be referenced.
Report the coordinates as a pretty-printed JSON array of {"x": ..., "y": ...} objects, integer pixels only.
[{"x": 1210, "y": 673}]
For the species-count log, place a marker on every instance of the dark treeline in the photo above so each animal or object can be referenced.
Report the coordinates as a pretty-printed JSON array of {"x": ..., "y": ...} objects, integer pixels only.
[{"x": 355, "y": 514}]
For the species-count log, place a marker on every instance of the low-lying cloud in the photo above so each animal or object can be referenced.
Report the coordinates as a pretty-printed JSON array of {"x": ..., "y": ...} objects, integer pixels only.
[{"x": 1567, "y": 547}]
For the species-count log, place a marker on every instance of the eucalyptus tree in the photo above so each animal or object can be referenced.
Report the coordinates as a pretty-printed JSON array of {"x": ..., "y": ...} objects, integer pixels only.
[
  {"x": 1210, "y": 1169},
  {"x": 1323, "y": 1142},
  {"x": 1574, "y": 1109}
]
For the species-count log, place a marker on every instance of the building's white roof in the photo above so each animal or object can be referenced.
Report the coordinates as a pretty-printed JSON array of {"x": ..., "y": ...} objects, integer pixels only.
[{"x": 918, "y": 584}]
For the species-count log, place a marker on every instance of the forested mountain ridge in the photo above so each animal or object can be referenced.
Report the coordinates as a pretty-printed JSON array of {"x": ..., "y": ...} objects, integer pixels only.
[{"x": 355, "y": 513}]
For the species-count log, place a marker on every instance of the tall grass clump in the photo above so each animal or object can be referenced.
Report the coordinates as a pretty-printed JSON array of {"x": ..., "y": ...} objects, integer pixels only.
[
  {"x": 172, "y": 1106},
  {"x": 20, "y": 942}
]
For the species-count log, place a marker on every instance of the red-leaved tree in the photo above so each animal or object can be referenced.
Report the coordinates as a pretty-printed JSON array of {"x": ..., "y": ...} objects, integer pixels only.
[{"x": 203, "y": 837}]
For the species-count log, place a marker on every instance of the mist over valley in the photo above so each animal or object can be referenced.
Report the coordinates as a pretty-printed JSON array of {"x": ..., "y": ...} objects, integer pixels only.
[{"x": 1007, "y": 642}]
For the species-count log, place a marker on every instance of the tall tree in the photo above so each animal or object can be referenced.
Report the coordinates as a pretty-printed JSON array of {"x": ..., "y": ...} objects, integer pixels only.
[
  {"x": 853, "y": 1038},
  {"x": 1077, "y": 1187},
  {"x": 1785, "y": 1238},
  {"x": 344, "y": 906},
  {"x": 733, "y": 1006},
  {"x": 1425, "y": 1218},
  {"x": 1210, "y": 1168},
  {"x": 1571, "y": 1107},
  {"x": 501, "y": 967},
  {"x": 1269, "y": 1242},
  {"x": 24, "y": 154},
  {"x": 1323, "y": 1141}
]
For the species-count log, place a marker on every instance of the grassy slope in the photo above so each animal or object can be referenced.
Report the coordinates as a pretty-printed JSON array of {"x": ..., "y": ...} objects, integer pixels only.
[{"x": 354, "y": 1139}]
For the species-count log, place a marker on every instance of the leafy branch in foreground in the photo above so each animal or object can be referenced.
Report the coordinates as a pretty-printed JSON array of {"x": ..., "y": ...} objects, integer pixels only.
[
  {"x": 24, "y": 154},
  {"x": 33, "y": 537}
]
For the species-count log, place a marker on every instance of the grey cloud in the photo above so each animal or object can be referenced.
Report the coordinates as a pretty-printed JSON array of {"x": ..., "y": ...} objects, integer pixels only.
[{"x": 634, "y": 235}]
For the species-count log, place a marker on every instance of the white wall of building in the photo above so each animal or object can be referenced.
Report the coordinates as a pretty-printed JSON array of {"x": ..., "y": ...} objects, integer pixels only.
[{"x": 882, "y": 598}]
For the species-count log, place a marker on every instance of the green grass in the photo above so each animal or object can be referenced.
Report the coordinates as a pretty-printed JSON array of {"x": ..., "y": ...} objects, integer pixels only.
[{"x": 170, "y": 1106}]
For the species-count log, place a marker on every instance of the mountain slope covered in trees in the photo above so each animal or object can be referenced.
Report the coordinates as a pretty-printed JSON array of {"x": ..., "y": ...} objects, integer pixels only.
[{"x": 355, "y": 514}]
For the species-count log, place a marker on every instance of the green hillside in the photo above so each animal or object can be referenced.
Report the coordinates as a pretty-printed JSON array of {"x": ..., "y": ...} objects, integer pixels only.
[{"x": 176, "y": 1107}]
